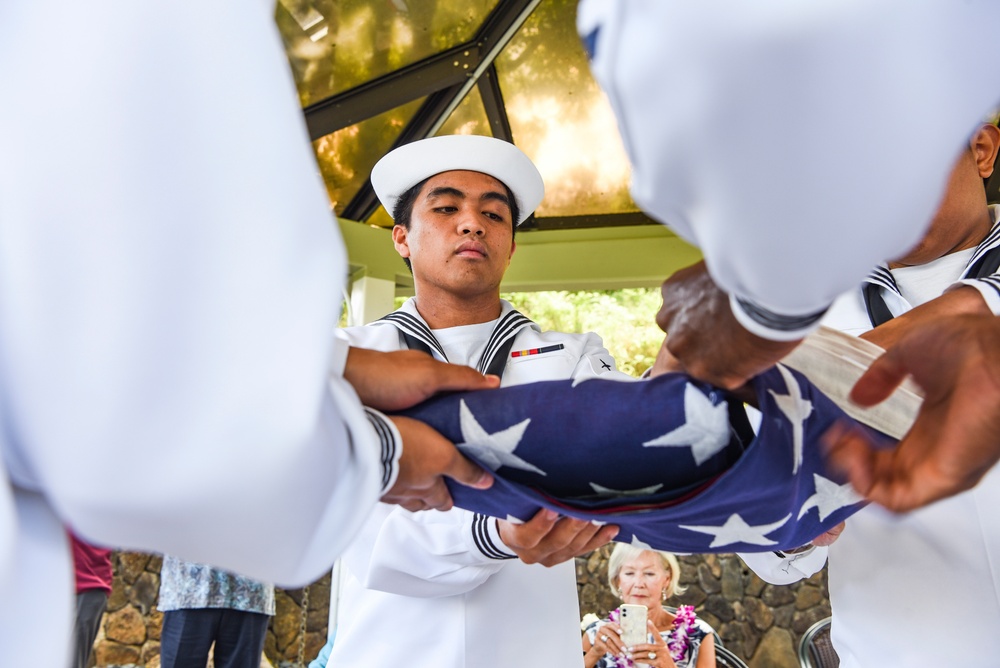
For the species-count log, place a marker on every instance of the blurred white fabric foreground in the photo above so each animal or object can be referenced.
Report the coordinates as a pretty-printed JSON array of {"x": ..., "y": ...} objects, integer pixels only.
[
  {"x": 170, "y": 276},
  {"x": 776, "y": 134}
]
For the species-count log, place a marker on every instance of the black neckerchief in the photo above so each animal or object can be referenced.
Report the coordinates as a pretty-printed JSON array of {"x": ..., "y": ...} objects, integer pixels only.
[{"x": 418, "y": 336}]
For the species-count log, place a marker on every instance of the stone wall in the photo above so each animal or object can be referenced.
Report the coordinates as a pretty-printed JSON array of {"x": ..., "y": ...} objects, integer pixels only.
[
  {"x": 757, "y": 621},
  {"x": 130, "y": 631},
  {"x": 283, "y": 636},
  {"x": 761, "y": 623}
]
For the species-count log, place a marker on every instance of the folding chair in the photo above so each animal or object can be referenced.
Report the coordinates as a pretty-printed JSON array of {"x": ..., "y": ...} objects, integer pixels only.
[
  {"x": 726, "y": 659},
  {"x": 816, "y": 647}
]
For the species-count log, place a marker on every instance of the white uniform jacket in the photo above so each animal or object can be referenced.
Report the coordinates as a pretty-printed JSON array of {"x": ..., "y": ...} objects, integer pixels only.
[
  {"x": 921, "y": 588},
  {"x": 768, "y": 133},
  {"x": 170, "y": 273},
  {"x": 441, "y": 590}
]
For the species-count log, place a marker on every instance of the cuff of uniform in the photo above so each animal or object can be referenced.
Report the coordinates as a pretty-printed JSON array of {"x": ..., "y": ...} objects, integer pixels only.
[
  {"x": 773, "y": 326},
  {"x": 338, "y": 356},
  {"x": 392, "y": 447},
  {"x": 989, "y": 288},
  {"x": 486, "y": 536}
]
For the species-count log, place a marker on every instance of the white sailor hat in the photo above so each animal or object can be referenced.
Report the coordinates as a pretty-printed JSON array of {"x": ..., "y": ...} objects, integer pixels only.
[{"x": 404, "y": 167}]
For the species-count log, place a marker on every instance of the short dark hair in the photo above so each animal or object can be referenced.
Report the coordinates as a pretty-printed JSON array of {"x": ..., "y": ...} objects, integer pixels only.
[{"x": 403, "y": 210}]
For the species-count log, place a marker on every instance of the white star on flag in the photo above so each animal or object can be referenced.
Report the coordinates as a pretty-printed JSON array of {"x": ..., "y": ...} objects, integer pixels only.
[
  {"x": 735, "y": 530},
  {"x": 607, "y": 491},
  {"x": 796, "y": 408},
  {"x": 639, "y": 544},
  {"x": 829, "y": 497},
  {"x": 493, "y": 450},
  {"x": 706, "y": 428}
]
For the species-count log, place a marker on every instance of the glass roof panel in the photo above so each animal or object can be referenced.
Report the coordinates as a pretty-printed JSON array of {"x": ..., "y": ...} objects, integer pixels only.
[
  {"x": 560, "y": 117},
  {"x": 347, "y": 156},
  {"x": 380, "y": 218},
  {"x": 469, "y": 117},
  {"x": 334, "y": 45}
]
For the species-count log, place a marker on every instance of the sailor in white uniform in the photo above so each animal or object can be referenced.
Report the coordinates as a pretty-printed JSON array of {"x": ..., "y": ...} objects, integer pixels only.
[
  {"x": 446, "y": 589},
  {"x": 770, "y": 135},
  {"x": 170, "y": 273},
  {"x": 915, "y": 589}
]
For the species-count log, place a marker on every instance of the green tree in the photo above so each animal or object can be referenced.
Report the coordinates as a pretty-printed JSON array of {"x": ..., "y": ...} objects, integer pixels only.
[{"x": 625, "y": 319}]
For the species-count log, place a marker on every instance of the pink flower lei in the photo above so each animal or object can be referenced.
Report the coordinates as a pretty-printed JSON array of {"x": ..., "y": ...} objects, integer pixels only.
[{"x": 683, "y": 626}]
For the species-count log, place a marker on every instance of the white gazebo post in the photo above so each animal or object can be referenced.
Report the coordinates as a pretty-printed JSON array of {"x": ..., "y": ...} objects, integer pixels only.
[{"x": 371, "y": 298}]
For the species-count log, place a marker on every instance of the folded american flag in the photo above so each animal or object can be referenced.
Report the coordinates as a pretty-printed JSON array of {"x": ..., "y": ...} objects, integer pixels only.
[{"x": 660, "y": 458}]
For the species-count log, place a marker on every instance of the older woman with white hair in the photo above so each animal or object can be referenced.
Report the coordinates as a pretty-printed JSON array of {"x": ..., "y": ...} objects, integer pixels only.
[{"x": 675, "y": 640}]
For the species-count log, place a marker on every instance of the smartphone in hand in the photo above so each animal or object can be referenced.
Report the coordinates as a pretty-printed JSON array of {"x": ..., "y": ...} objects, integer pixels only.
[{"x": 633, "y": 624}]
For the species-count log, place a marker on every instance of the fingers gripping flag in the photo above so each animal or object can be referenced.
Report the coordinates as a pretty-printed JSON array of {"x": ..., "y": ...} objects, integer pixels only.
[{"x": 660, "y": 458}]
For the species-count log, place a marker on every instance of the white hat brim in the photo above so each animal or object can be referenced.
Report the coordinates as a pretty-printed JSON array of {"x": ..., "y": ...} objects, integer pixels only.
[{"x": 404, "y": 167}]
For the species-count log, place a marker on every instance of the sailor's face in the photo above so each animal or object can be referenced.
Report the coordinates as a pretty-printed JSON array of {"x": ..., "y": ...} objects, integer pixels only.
[{"x": 461, "y": 233}]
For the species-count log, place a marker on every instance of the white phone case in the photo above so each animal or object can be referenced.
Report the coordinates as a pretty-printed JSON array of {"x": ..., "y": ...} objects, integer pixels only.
[{"x": 633, "y": 623}]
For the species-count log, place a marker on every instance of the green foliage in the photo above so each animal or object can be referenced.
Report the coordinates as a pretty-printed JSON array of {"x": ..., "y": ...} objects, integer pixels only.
[{"x": 625, "y": 319}]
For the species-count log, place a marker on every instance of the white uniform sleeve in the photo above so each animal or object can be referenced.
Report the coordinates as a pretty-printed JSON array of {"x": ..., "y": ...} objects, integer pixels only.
[
  {"x": 597, "y": 361},
  {"x": 170, "y": 273},
  {"x": 782, "y": 569},
  {"x": 769, "y": 134},
  {"x": 432, "y": 554}
]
